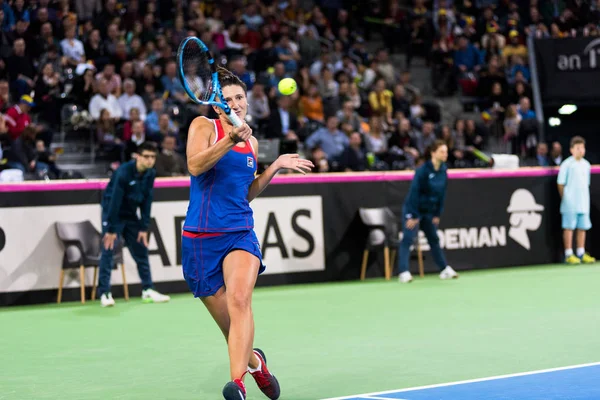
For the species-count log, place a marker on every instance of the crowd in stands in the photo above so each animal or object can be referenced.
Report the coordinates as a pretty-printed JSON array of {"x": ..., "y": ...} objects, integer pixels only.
[{"x": 354, "y": 109}]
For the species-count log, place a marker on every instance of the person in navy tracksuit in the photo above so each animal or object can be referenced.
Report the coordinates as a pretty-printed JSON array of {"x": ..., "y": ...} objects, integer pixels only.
[
  {"x": 129, "y": 188},
  {"x": 423, "y": 207}
]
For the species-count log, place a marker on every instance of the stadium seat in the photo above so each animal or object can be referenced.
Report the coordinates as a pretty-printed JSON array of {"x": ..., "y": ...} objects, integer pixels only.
[
  {"x": 82, "y": 250},
  {"x": 383, "y": 233}
]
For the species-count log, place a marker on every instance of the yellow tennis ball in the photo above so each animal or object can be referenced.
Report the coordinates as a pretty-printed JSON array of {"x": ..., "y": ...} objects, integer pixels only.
[{"x": 287, "y": 86}]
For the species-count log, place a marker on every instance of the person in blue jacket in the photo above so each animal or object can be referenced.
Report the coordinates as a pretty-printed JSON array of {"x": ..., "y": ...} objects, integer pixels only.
[
  {"x": 129, "y": 189},
  {"x": 423, "y": 207}
]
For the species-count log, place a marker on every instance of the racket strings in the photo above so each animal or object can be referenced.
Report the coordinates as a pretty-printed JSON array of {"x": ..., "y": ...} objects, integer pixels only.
[{"x": 197, "y": 71}]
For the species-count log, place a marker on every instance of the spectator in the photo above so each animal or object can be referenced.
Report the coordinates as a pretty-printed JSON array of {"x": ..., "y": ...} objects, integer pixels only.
[
  {"x": 21, "y": 70},
  {"x": 130, "y": 100},
  {"x": 512, "y": 120},
  {"x": 329, "y": 90},
  {"x": 376, "y": 139},
  {"x": 402, "y": 140},
  {"x": 238, "y": 66},
  {"x": 319, "y": 159},
  {"x": 153, "y": 119},
  {"x": 22, "y": 153},
  {"x": 556, "y": 156},
  {"x": 45, "y": 159},
  {"x": 47, "y": 94},
  {"x": 380, "y": 100},
  {"x": 95, "y": 49},
  {"x": 72, "y": 48},
  {"x": 399, "y": 101},
  {"x": 17, "y": 117},
  {"x": 113, "y": 80},
  {"x": 166, "y": 127},
  {"x": 329, "y": 138},
  {"x": 347, "y": 115},
  {"x": 323, "y": 62},
  {"x": 138, "y": 136},
  {"x": 514, "y": 48},
  {"x": 311, "y": 104},
  {"x": 354, "y": 158},
  {"x": 172, "y": 84},
  {"x": 252, "y": 18},
  {"x": 258, "y": 105},
  {"x": 541, "y": 156},
  {"x": 134, "y": 116},
  {"x": 168, "y": 162},
  {"x": 107, "y": 138},
  {"x": 385, "y": 67},
  {"x": 466, "y": 57},
  {"x": 5, "y": 97},
  {"x": 104, "y": 100},
  {"x": 83, "y": 87},
  {"x": 425, "y": 138},
  {"x": 417, "y": 111},
  {"x": 283, "y": 123},
  {"x": 525, "y": 109}
]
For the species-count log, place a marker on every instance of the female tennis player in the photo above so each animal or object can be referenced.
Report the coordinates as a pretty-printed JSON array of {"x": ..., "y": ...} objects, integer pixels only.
[
  {"x": 220, "y": 252},
  {"x": 423, "y": 207}
]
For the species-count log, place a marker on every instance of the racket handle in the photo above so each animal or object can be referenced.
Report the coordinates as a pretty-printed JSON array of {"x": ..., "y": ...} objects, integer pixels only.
[{"x": 235, "y": 120}]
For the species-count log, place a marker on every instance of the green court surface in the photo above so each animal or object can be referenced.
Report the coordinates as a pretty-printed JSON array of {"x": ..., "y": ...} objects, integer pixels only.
[{"x": 322, "y": 340}]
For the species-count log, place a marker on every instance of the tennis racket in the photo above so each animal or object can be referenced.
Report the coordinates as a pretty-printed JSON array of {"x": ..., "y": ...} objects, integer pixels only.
[
  {"x": 199, "y": 77},
  {"x": 482, "y": 156}
]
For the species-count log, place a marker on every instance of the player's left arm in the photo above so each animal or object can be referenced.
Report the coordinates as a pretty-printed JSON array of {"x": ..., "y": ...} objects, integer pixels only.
[{"x": 285, "y": 161}]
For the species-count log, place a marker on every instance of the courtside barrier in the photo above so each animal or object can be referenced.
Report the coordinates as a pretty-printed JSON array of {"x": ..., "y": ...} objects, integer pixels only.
[{"x": 308, "y": 226}]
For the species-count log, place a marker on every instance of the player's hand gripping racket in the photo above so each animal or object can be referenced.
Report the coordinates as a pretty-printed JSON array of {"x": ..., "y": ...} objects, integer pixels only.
[{"x": 198, "y": 75}]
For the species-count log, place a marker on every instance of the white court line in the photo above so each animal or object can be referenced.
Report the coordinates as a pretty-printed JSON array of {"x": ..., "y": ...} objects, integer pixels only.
[
  {"x": 372, "y": 398},
  {"x": 491, "y": 378},
  {"x": 378, "y": 398}
]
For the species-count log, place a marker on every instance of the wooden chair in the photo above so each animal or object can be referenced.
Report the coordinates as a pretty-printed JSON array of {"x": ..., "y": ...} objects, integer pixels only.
[
  {"x": 383, "y": 234},
  {"x": 83, "y": 249}
]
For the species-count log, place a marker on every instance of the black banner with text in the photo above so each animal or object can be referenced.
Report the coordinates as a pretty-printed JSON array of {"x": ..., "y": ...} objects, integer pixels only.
[
  {"x": 568, "y": 69},
  {"x": 307, "y": 232}
]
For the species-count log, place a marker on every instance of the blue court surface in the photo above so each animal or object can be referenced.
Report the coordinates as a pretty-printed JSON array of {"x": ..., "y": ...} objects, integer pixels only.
[{"x": 576, "y": 382}]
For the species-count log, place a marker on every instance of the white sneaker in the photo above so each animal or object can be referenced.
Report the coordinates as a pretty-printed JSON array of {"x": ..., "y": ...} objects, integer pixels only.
[
  {"x": 405, "y": 277},
  {"x": 448, "y": 273},
  {"x": 152, "y": 296},
  {"x": 106, "y": 300}
]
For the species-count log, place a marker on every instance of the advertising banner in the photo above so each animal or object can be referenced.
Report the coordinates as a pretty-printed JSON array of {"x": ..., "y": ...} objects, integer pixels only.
[
  {"x": 568, "y": 69},
  {"x": 309, "y": 229},
  {"x": 290, "y": 230}
]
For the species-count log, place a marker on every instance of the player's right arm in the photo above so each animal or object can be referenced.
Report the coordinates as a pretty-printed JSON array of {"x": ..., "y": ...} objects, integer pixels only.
[{"x": 202, "y": 155}]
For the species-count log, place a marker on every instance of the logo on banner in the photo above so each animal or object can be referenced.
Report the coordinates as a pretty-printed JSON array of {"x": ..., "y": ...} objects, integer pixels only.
[
  {"x": 524, "y": 217},
  {"x": 589, "y": 59},
  {"x": 290, "y": 231}
]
